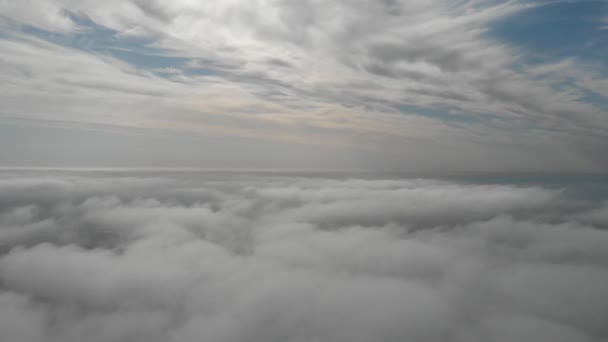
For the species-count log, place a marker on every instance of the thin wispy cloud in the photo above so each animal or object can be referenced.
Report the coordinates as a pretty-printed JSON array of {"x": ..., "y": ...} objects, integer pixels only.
[{"x": 384, "y": 79}]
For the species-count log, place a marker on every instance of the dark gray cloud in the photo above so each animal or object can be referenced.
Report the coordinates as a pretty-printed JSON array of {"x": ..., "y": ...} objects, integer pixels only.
[{"x": 182, "y": 256}]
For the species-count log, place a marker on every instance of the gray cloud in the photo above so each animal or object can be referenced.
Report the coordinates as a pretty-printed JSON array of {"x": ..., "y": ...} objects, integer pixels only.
[
  {"x": 341, "y": 73},
  {"x": 242, "y": 257}
]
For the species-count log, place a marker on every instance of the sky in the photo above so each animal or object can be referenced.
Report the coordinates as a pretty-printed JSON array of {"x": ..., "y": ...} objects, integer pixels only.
[{"x": 408, "y": 85}]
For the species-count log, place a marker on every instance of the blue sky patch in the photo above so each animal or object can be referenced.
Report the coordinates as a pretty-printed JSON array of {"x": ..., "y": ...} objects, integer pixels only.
[
  {"x": 92, "y": 37},
  {"x": 597, "y": 99},
  {"x": 557, "y": 30}
]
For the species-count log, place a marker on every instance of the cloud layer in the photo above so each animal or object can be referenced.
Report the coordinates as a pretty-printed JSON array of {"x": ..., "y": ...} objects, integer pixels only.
[
  {"x": 245, "y": 257},
  {"x": 384, "y": 80}
]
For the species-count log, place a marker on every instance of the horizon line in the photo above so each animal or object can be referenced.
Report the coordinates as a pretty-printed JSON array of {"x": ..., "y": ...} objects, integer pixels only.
[{"x": 294, "y": 170}]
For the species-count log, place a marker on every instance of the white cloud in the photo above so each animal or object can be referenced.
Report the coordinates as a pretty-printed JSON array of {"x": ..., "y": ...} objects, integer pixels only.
[
  {"x": 48, "y": 15},
  {"x": 185, "y": 257},
  {"x": 314, "y": 72}
]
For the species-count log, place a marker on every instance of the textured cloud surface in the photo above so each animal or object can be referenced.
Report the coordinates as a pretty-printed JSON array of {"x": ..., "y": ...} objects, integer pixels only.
[
  {"x": 480, "y": 85},
  {"x": 244, "y": 257}
]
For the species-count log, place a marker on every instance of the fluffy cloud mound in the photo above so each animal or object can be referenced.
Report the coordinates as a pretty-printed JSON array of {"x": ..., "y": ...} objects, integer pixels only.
[{"x": 190, "y": 257}]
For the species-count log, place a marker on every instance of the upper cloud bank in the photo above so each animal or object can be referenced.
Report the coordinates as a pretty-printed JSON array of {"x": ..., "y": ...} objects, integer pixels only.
[
  {"x": 407, "y": 84},
  {"x": 185, "y": 257}
]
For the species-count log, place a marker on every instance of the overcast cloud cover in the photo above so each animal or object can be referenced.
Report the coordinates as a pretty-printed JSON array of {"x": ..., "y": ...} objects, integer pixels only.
[
  {"x": 94, "y": 256},
  {"x": 111, "y": 232},
  {"x": 416, "y": 85}
]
